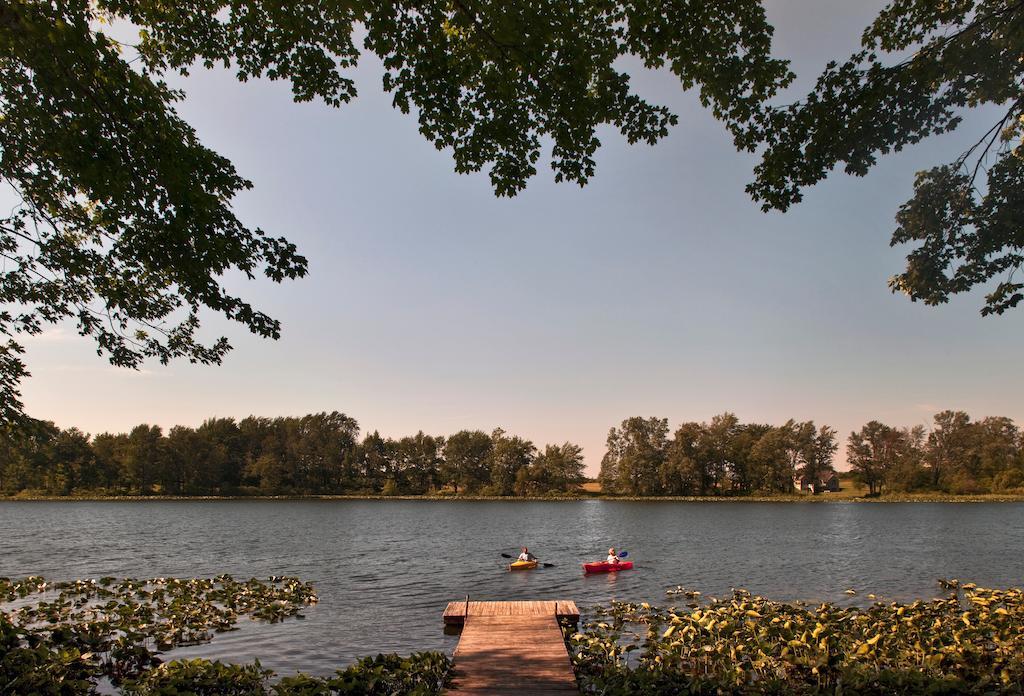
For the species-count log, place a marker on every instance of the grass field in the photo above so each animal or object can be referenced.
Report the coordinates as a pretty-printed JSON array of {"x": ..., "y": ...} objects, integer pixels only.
[{"x": 849, "y": 489}]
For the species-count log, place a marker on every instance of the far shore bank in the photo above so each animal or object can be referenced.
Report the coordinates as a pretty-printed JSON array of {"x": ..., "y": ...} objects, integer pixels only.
[{"x": 798, "y": 499}]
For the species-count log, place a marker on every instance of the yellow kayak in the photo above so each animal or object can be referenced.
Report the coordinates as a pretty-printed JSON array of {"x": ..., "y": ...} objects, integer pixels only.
[{"x": 522, "y": 565}]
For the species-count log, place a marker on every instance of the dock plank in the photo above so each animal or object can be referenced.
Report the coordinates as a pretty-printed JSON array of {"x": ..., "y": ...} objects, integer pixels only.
[
  {"x": 456, "y": 612},
  {"x": 567, "y": 609},
  {"x": 511, "y": 647}
]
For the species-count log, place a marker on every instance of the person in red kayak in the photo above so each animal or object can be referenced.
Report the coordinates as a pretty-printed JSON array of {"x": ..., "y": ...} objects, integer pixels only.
[{"x": 610, "y": 565}]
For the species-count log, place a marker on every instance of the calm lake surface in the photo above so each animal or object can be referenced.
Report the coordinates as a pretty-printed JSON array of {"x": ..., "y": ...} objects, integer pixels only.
[{"x": 384, "y": 570}]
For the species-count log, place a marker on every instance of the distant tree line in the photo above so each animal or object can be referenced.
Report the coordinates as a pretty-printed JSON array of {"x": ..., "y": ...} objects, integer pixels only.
[
  {"x": 723, "y": 457},
  {"x": 316, "y": 454},
  {"x": 323, "y": 454},
  {"x": 726, "y": 457},
  {"x": 957, "y": 456}
]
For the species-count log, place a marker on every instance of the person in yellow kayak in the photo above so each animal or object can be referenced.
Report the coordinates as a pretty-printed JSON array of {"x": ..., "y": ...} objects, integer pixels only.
[
  {"x": 612, "y": 558},
  {"x": 526, "y": 555}
]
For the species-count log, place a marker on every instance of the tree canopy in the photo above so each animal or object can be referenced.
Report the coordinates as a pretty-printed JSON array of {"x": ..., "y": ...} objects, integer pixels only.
[
  {"x": 922, "y": 65},
  {"x": 124, "y": 222}
]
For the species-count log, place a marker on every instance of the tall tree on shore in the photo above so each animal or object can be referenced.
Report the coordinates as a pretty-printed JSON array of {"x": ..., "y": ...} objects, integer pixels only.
[
  {"x": 109, "y": 449},
  {"x": 467, "y": 456},
  {"x": 742, "y": 467},
  {"x": 559, "y": 468},
  {"x": 323, "y": 441},
  {"x": 419, "y": 462},
  {"x": 378, "y": 457},
  {"x": 635, "y": 455},
  {"x": 797, "y": 444},
  {"x": 266, "y": 461},
  {"x": 145, "y": 454},
  {"x": 772, "y": 469},
  {"x": 509, "y": 456},
  {"x": 186, "y": 457},
  {"x": 872, "y": 452},
  {"x": 908, "y": 472},
  {"x": 718, "y": 447},
  {"x": 819, "y": 449},
  {"x": 26, "y": 453},
  {"x": 227, "y": 459},
  {"x": 948, "y": 445},
  {"x": 683, "y": 472},
  {"x": 998, "y": 443},
  {"x": 74, "y": 463}
]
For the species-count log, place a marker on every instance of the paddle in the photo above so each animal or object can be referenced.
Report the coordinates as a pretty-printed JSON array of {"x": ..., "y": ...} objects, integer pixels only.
[{"x": 545, "y": 565}]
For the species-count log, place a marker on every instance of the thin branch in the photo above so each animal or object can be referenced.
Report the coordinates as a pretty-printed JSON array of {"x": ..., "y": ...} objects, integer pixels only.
[
  {"x": 998, "y": 129},
  {"x": 993, "y": 131},
  {"x": 105, "y": 314},
  {"x": 22, "y": 235}
]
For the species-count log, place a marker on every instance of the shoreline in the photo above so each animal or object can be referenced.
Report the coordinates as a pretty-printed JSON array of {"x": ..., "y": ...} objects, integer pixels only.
[{"x": 824, "y": 498}]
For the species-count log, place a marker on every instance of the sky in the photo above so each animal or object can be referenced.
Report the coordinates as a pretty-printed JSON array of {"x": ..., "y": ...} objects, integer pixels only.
[{"x": 659, "y": 289}]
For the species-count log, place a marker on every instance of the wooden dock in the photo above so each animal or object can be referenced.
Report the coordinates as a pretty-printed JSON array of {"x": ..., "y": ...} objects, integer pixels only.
[{"x": 512, "y": 648}]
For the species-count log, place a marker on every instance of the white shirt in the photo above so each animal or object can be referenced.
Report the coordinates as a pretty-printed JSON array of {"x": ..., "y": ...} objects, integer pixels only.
[
  {"x": 524, "y": 556},
  {"x": 612, "y": 558}
]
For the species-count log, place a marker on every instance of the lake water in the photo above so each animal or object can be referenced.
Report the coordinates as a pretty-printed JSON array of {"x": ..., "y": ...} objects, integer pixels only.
[{"x": 384, "y": 570}]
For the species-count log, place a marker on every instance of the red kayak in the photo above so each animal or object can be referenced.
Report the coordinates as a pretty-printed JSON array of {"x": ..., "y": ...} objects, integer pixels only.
[{"x": 606, "y": 567}]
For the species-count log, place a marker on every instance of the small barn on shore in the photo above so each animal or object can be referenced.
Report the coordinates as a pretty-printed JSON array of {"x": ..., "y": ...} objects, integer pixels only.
[{"x": 826, "y": 482}]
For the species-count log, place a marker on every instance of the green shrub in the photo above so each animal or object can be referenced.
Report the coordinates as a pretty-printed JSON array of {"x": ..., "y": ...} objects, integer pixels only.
[
  {"x": 27, "y": 666},
  {"x": 971, "y": 642},
  {"x": 420, "y": 674},
  {"x": 200, "y": 678}
]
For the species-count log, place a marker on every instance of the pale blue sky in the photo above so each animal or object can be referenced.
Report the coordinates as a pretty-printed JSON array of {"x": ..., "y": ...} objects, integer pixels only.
[{"x": 659, "y": 289}]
